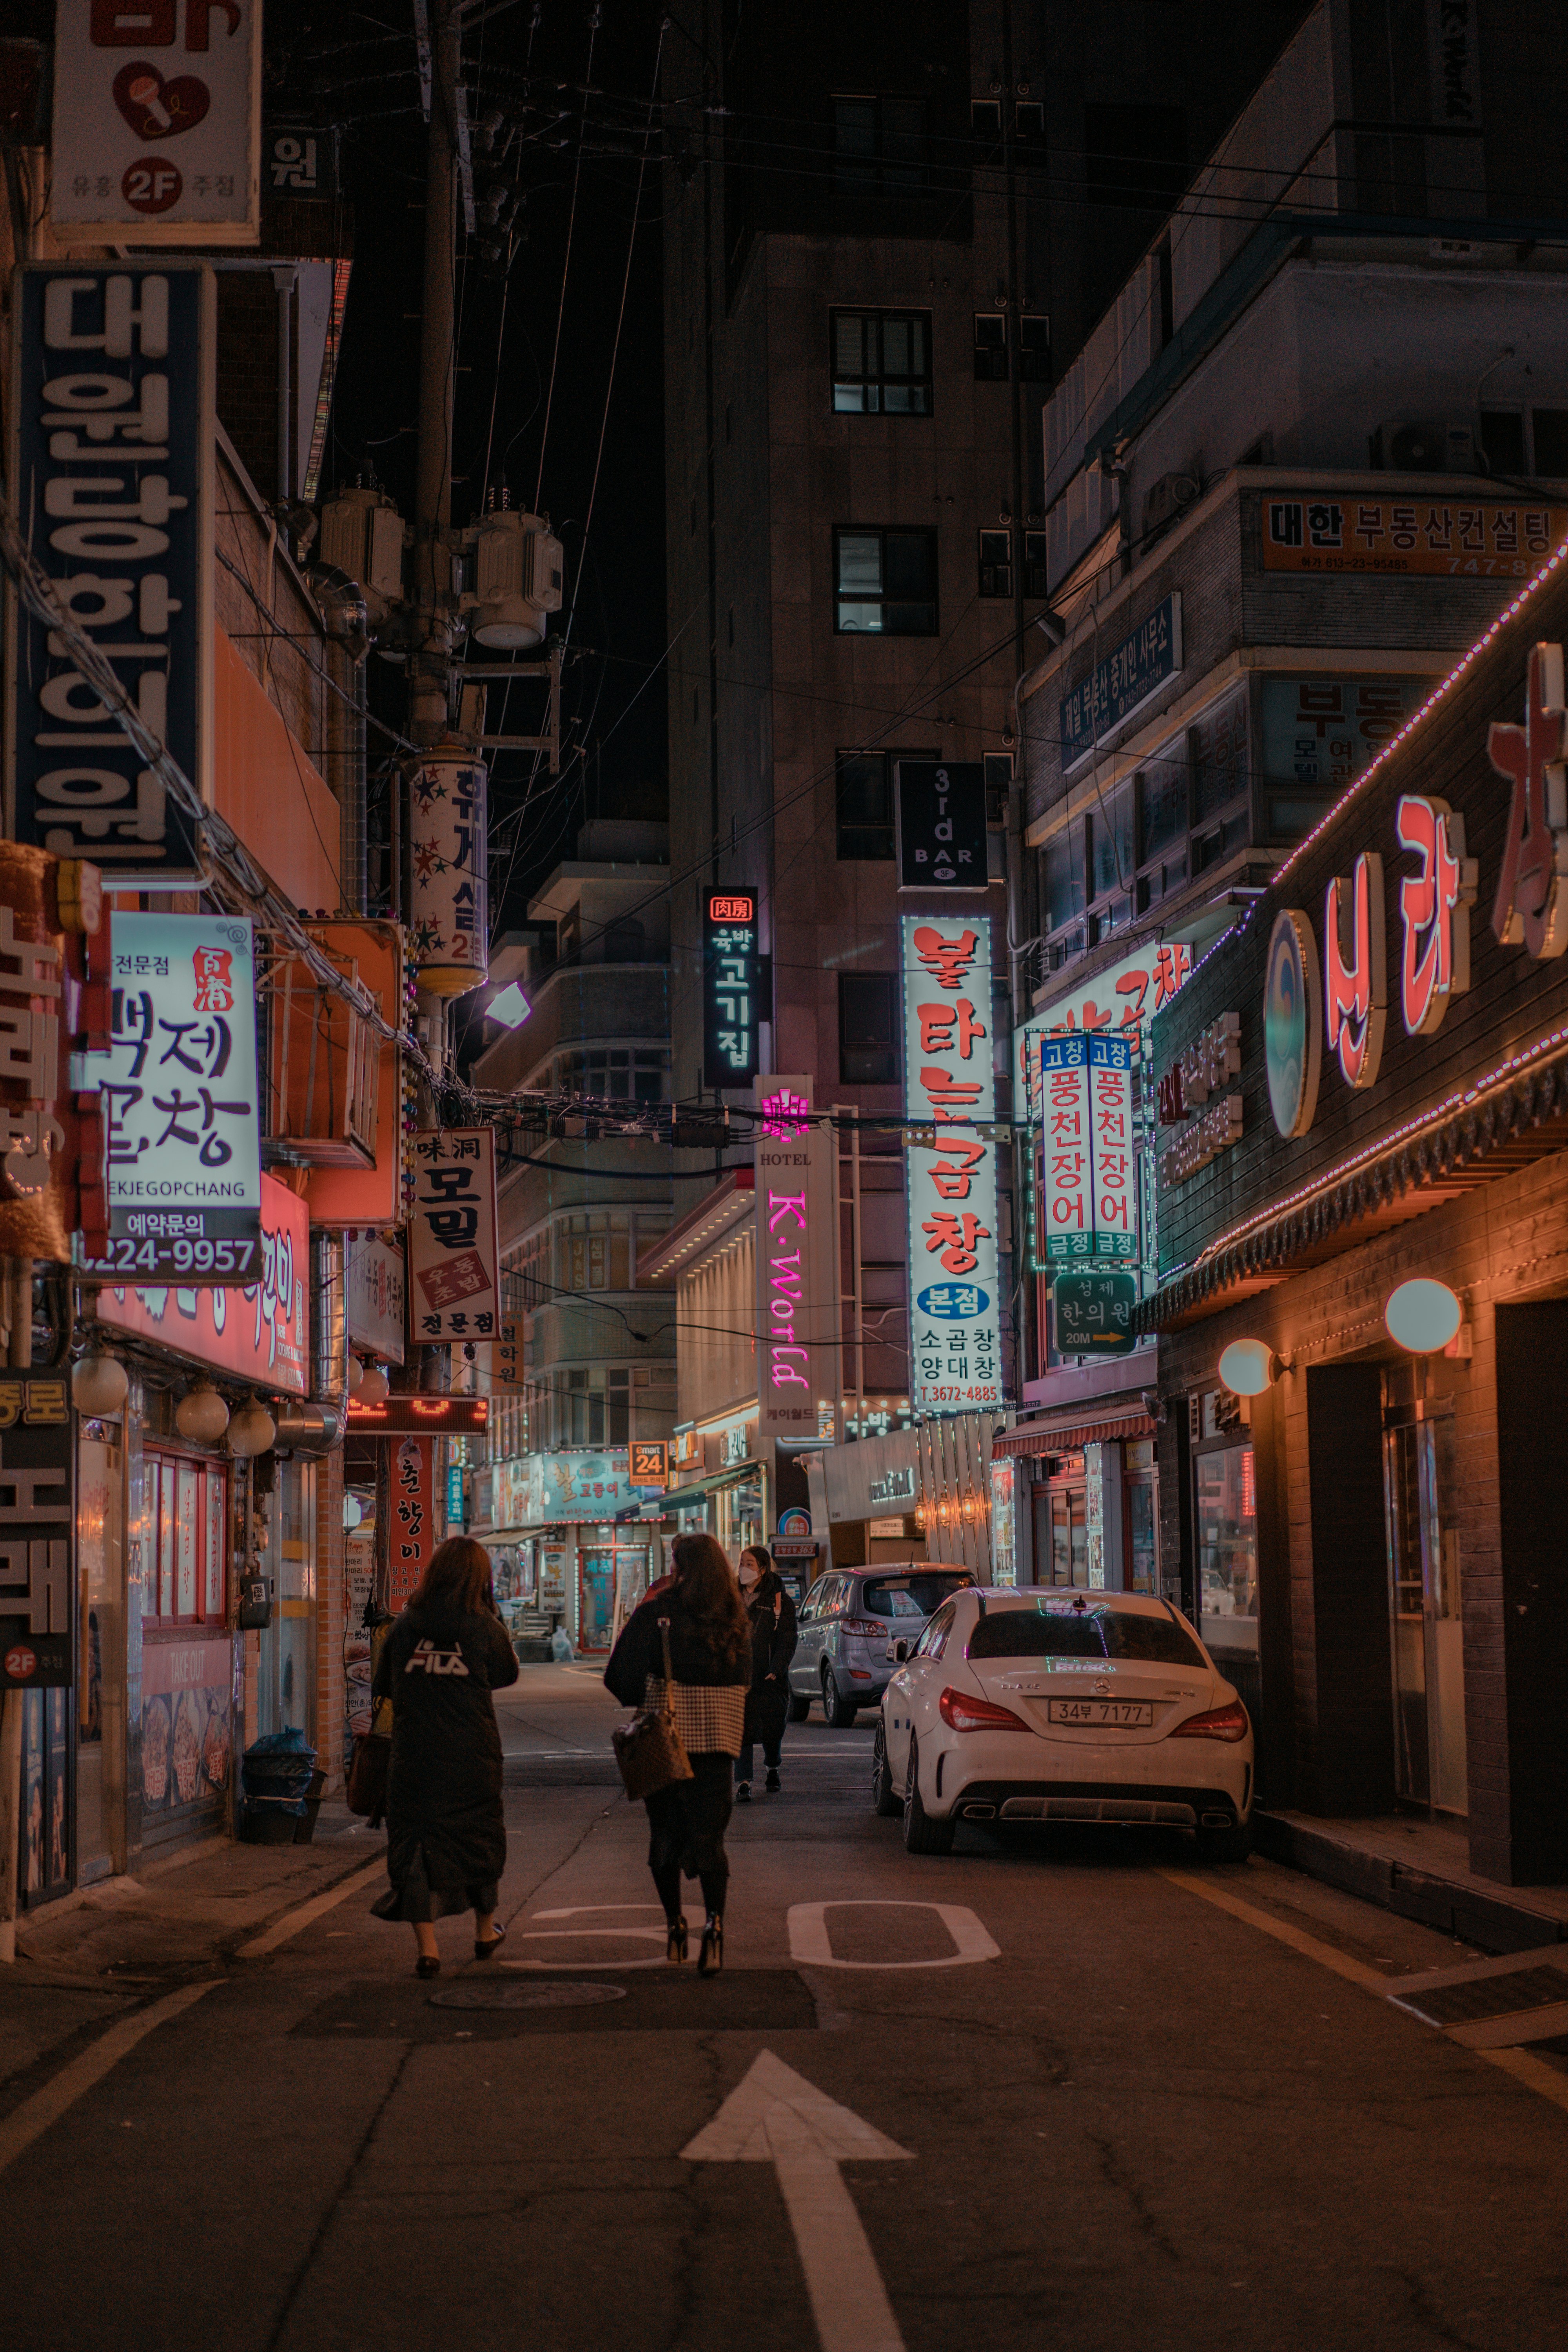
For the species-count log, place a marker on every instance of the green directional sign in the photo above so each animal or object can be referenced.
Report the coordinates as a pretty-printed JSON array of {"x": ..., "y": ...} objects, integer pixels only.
[{"x": 1094, "y": 1314}]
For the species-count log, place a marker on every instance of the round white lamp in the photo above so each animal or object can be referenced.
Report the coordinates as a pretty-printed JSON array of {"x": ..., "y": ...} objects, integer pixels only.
[
  {"x": 1422, "y": 1315},
  {"x": 201, "y": 1414},
  {"x": 98, "y": 1385},
  {"x": 251, "y": 1431},
  {"x": 374, "y": 1388},
  {"x": 356, "y": 1373},
  {"x": 1247, "y": 1367}
]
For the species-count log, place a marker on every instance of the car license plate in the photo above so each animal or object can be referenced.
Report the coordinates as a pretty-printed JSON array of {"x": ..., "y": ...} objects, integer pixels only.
[{"x": 1126, "y": 1714}]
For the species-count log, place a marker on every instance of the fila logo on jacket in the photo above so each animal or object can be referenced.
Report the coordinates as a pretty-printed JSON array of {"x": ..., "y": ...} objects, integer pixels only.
[{"x": 428, "y": 1660}]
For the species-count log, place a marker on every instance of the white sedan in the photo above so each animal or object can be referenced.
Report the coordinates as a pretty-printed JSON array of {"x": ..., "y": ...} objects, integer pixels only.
[{"x": 1057, "y": 1705}]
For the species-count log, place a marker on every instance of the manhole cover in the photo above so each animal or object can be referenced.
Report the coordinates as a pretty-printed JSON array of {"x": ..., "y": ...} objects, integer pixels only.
[{"x": 547, "y": 1993}]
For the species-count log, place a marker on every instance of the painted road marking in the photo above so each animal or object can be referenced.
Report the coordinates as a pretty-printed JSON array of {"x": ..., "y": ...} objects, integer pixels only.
[
  {"x": 774, "y": 2115},
  {"x": 810, "y": 1941},
  {"x": 1521, "y": 2063},
  {"x": 290, "y": 1926},
  {"x": 584, "y": 1911},
  {"x": 25, "y": 2124}
]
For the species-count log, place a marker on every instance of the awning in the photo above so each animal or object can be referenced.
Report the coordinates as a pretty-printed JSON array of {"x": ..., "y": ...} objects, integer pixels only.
[
  {"x": 676, "y": 1498},
  {"x": 1039, "y": 1439}
]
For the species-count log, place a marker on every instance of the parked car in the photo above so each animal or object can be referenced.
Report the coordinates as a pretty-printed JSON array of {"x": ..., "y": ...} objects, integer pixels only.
[
  {"x": 1054, "y": 1706},
  {"x": 846, "y": 1624}
]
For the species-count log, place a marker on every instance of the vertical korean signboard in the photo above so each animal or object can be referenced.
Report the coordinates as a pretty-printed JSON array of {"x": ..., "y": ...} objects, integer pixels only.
[
  {"x": 111, "y": 461},
  {"x": 1091, "y": 1188},
  {"x": 731, "y": 977},
  {"x": 797, "y": 1266},
  {"x": 454, "y": 1274},
  {"x": 949, "y": 1092},
  {"x": 157, "y": 122},
  {"x": 181, "y": 1102},
  {"x": 37, "y": 1531}
]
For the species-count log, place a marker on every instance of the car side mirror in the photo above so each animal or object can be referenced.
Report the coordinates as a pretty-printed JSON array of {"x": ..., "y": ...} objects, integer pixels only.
[{"x": 898, "y": 1652}]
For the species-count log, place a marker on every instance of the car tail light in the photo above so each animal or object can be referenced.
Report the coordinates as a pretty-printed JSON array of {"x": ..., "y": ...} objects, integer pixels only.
[
  {"x": 868, "y": 1628},
  {"x": 1224, "y": 1723},
  {"x": 961, "y": 1712}
]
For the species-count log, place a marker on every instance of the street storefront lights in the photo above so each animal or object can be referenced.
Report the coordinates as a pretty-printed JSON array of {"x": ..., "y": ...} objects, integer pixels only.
[
  {"x": 1422, "y": 1315},
  {"x": 1248, "y": 1367}
]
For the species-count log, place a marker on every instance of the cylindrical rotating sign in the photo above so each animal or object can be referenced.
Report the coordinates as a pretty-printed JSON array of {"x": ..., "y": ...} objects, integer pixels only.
[{"x": 448, "y": 851}]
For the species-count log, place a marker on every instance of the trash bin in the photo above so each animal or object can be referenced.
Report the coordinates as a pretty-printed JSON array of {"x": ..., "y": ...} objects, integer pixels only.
[{"x": 276, "y": 1773}]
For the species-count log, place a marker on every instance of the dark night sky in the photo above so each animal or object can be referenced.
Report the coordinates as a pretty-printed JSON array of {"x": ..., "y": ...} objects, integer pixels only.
[{"x": 356, "y": 66}]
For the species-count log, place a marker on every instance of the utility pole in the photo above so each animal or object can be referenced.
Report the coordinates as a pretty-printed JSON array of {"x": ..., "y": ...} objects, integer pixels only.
[{"x": 429, "y": 670}]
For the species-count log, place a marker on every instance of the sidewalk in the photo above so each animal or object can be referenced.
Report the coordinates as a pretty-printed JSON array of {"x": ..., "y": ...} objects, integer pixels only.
[{"x": 1420, "y": 1869}]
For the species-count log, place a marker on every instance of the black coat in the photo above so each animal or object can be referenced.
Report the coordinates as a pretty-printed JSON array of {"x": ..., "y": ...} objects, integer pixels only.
[
  {"x": 639, "y": 1652},
  {"x": 773, "y": 1636},
  {"x": 444, "y": 1781}
]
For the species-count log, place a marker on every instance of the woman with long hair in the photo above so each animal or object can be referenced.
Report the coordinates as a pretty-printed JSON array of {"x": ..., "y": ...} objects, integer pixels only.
[
  {"x": 699, "y": 1607},
  {"x": 445, "y": 1831},
  {"x": 774, "y": 1637}
]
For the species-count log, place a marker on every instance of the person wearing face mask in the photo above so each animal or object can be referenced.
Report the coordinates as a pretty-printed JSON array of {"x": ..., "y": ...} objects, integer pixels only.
[{"x": 771, "y": 1615}]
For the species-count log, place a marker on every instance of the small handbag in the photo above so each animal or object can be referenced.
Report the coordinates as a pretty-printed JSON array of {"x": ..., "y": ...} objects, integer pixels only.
[
  {"x": 367, "y": 1775},
  {"x": 649, "y": 1749}
]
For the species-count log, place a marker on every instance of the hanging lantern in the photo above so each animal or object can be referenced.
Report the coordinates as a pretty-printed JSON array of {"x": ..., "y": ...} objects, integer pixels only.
[
  {"x": 251, "y": 1431},
  {"x": 98, "y": 1385},
  {"x": 921, "y": 1515},
  {"x": 447, "y": 850},
  {"x": 356, "y": 1373},
  {"x": 374, "y": 1388},
  {"x": 201, "y": 1414}
]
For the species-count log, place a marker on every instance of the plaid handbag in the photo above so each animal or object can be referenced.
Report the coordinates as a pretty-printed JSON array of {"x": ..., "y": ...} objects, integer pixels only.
[{"x": 649, "y": 1749}]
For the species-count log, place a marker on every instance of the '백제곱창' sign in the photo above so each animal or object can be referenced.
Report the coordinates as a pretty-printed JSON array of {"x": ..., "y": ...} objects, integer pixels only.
[
  {"x": 731, "y": 976},
  {"x": 797, "y": 1265},
  {"x": 157, "y": 127},
  {"x": 1091, "y": 1194},
  {"x": 949, "y": 1171},
  {"x": 181, "y": 1102},
  {"x": 453, "y": 1276},
  {"x": 111, "y": 448},
  {"x": 262, "y": 1331}
]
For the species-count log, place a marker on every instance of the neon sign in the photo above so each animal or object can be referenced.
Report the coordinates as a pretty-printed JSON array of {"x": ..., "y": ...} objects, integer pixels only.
[
  {"x": 1532, "y": 907},
  {"x": 731, "y": 988},
  {"x": 1355, "y": 982},
  {"x": 1435, "y": 907}
]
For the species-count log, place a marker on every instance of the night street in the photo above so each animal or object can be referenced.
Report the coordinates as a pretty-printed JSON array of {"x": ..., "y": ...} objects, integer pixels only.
[{"x": 1147, "y": 2119}]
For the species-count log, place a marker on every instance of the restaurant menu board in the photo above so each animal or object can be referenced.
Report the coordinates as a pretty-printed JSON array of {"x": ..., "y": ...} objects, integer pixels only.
[
  {"x": 180, "y": 1092},
  {"x": 1437, "y": 539},
  {"x": 111, "y": 448},
  {"x": 187, "y": 1720}
]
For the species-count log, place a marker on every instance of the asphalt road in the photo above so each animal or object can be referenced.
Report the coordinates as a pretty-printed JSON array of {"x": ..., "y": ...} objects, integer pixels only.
[{"x": 1117, "y": 2114}]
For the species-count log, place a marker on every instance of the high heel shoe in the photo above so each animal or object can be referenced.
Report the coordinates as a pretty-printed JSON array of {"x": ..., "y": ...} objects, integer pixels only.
[
  {"x": 710, "y": 1958},
  {"x": 674, "y": 1941},
  {"x": 485, "y": 1945},
  {"x": 429, "y": 1964}
]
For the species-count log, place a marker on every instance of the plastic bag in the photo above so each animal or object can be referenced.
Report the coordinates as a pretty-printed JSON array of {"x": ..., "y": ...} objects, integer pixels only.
[{"x": 561, "y": 1648}]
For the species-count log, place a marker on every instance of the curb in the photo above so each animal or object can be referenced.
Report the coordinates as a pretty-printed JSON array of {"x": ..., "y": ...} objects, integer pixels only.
[{"x": 1492, "y": 1922}]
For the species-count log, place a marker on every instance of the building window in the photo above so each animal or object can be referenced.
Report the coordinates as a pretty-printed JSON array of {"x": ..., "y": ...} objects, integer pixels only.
[
  {"x": 884, "y": 583},
  {"x": 880, "y": 144},
  {"x": 1217, "y": 746},
  {"x": 188, "y": 1501},
  {"x": 1033, "y": 348},
  {"x": 867, "y": 1035},
  {"x": 1063, "y": 878},
  {"x": 609, "y": 1074},
  {"x": 1110, "y": 845},
  {"x": 1036, "y": 565},
  {"x": 1029, "y": 120},
  {"x": 990, "y": 347},
  {"x": 995, "y": 563},
  {"x": 863, "y": 798},
  {"x": 1518, "y": 441},
  {"x": 986, "y": 120},
  {"x": 1549, "y": 428},
  {"x": 881, "y": 363},
  {"x": 998, "y": 771}
]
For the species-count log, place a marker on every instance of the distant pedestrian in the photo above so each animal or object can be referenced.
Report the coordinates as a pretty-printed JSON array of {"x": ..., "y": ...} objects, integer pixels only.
[
  {"x": 699, "y": 1604},
  {"x": 445, "y": 1831},
  {"x": 772, "y": 1612}
]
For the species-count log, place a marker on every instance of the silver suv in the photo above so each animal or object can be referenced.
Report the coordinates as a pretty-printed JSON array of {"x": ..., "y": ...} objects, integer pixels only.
[{"x": 848, "y": 1621}]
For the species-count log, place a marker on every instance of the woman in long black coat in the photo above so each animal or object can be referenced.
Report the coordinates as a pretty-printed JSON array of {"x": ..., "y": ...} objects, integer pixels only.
[
  {"x": 699, "y": 1605},
  {"x": 774, "y": 1637},
  {"x": 445, "y": 1831}
]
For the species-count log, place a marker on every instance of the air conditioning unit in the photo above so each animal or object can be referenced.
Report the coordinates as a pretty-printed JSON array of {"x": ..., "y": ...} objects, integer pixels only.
[
  {"x": 517, "y": 568},
  {"x": 1427, "y": 445},
  {"x": 363, "y": 535},
  {"x": 1163, "y": 500}
]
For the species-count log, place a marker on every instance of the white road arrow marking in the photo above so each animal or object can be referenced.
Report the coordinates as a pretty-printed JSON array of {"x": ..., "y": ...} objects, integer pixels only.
[{"x": 774, "y": 2115}]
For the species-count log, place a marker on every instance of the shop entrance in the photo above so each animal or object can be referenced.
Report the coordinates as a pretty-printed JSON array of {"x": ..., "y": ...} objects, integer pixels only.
[
  {"x": 1425, "y": 1623},
  {"x": 1061, "y": 1525}
]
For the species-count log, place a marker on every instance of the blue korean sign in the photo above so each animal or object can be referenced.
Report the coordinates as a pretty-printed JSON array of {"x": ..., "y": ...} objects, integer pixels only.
[
  {"x": 111, "y": 461},
  {"x": 1129, "y": 676},
  {"x": 454, "y": 1496}
]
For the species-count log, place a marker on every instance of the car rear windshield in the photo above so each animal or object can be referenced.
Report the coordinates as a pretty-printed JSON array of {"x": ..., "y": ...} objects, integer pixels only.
[
  {"x": 1049, "y": 1631},
  {"x": 914, "y": 1597}
]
